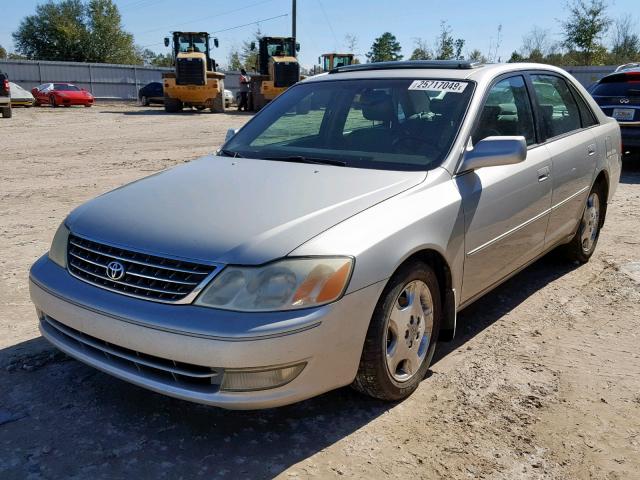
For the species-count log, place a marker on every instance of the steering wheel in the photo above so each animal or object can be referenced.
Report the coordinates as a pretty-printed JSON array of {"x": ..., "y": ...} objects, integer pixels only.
[{"x": 405, "y": 137}]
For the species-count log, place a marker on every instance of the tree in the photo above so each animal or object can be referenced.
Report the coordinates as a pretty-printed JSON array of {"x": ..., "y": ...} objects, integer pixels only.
[
  {"x": 385, "y": 48},
  {"x": 235, "y": 63},
  {"x": 537, "y": 40},
  {"x": 584, "y": 28},
  {"x": 351, "y": 43},
  {"x": 459, "y": 44},
  {"x": 75, "y": 31},
  {"x": 476, "y": 56},
  {"x": 163, "y": 60},
  {"x": 3, "y": 52},
  {"x": 250, "y": 57},
  {"x": 516, "y": 57},
  {"x": 448, "y": 48},
  {"x": 421, "y": 50},
  {"x": 626, "y": 43}
]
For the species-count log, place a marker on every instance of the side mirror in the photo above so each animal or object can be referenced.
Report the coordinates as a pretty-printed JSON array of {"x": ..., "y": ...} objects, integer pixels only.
[
  {"x": 252, "y": 46},
  {"x": 297, "y": 47},
  {"x": 230, "y": 134},
  {"x": 216, "y": 43},
  {"x": 166, "y": 41},
  {"x": 493, "y": 152}
]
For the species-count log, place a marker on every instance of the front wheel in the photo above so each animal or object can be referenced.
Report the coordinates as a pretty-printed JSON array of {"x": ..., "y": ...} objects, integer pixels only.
[
  {"x": 402, "y": 336},
  {"x": 144, "y": 101},
  {"x": 7, "y": 112},
  {"x": 584, "y": 242}
]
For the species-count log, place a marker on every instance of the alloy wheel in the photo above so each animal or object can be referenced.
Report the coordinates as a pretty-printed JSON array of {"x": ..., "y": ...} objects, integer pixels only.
[{"x": 408, "y": 331}]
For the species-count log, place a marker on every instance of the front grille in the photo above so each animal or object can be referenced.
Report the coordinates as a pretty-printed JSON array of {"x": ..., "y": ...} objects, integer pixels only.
[
  {"x": 145, "y": 276},
  {"x": 286, "y": 74},
  {"x": 190, "y": 71},
  {"x": 185, "y": 375}
]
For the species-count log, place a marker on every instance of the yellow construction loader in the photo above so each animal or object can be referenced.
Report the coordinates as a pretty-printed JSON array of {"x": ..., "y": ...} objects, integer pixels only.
[
  {"x": 277, "y": 68},
  {"x": 194, "y": 82},
  {"x": 329, "y": 61}
]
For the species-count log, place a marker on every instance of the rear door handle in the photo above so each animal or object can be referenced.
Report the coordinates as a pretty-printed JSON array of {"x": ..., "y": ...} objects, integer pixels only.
[
  {"x": 543, "y": 174},
  {"x": 591, "y": 149}
]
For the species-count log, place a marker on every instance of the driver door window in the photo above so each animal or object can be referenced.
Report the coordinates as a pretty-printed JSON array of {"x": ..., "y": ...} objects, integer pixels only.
[{"x": 507, "y": 112}]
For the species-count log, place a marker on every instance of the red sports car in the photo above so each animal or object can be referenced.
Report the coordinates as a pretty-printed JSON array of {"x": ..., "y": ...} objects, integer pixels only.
[{"x": 61, "y": 94}]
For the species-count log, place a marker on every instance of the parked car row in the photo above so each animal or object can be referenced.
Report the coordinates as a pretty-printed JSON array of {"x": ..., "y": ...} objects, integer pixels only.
[{"x": 153, "y": 93}]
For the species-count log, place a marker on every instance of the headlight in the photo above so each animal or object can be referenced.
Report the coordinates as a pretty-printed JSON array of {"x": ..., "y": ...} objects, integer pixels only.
[
  {"x": 58, "y": 250},
  {"x": 284, "y": 285}
]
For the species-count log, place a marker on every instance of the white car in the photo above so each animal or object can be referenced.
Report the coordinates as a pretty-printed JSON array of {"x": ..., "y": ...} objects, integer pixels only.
[
  {"x": 228, "y": 98},
  {"x": 20, "y": 96}
]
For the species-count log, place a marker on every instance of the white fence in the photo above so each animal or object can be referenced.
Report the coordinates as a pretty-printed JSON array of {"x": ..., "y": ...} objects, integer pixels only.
[{"x": 103, "y": 80}]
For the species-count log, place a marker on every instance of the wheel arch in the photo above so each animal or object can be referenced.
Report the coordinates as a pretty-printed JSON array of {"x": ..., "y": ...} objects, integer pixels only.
[
  {"x": 602, "y": 181},
  {"x": 442, "y": 269}
]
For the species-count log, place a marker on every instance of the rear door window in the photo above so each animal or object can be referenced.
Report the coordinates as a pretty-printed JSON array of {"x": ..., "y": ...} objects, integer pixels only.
[{"x": 559, "y": 110}]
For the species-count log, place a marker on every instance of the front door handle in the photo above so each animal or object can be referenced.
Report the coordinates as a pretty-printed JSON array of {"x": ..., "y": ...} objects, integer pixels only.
[{"x": 543, "y": 174}]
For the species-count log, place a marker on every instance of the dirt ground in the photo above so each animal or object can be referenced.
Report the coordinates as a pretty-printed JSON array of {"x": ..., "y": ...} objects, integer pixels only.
[{"x": 543, "y": 381}]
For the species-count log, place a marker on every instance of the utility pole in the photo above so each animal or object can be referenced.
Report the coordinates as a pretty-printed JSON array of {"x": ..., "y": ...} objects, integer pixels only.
[{"x": 293, "y": 21}]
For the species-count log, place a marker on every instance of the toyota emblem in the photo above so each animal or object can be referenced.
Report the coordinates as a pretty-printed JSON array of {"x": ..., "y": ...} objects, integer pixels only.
[{"x": 115, "y": 270}]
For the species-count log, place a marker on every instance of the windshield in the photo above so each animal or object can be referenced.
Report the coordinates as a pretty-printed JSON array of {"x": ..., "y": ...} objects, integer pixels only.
[
  {"x": 192, "y": 43},
  {"x": 277, "y": 48},
  {"x": 617, "y": 89},
  {"x": 65, "y": 88},
  {"x": 381, "y": 124}
]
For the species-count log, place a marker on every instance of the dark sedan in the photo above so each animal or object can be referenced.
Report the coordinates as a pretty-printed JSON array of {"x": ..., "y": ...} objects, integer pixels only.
[
  {"x": 151, "y": 93},
  {"x": 618, "y": 95}
]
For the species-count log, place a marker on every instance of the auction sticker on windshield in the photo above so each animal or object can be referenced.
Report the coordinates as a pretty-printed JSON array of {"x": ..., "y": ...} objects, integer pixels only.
[{"x": 438, "y": 86}]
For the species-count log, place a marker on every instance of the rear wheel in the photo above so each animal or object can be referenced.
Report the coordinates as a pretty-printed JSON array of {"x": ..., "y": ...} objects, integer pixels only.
[
  {"x": 401, "y": 339},
  {"x": 7, "y": 112},
  {"x": 584, "y": 242},
  {"x": 172, "y": 105}
]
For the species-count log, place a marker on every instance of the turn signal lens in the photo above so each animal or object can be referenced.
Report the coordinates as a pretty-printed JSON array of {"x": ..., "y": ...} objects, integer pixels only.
[
  {"x": 58, "y": 250},
  {"x": 288, "y": 284}
]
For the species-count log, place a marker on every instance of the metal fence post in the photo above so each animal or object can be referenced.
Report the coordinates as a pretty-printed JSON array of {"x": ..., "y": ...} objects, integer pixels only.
[
  {"x": 135, "y": 79},
  {"x": 90, "y": 79}
]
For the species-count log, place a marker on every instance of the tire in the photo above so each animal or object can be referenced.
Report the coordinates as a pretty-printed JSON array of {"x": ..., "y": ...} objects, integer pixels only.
[
  {"x": 584, "y": 242},
  {"x": 218, "y": 103},
  {"x": 144, "y": 101},
  {"x": 401, "y": 328},
  {"x": 200, "y": 107},
  {"x": 52, "y": 101},
  {"x": 88, "y": 105},
  {"x": 7, "y": 112},
  {"x": 171, "y": 105}
]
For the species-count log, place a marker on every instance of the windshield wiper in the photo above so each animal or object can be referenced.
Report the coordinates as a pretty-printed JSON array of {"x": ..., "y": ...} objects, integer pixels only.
[
  {"x": 229, "y": 153},
  {"x": 303, "y": 159}
]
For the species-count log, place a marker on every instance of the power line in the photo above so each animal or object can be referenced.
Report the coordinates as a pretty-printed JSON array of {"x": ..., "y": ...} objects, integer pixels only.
[
  {"x": 230, "y": 28},
  {"x": 326, "y": 17},
  {"x": 208, "y": 17}
]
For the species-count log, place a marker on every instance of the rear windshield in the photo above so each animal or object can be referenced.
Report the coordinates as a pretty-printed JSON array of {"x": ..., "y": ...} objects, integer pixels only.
[
  {"x": 617, "y": 89},
  {"x": 393, "y": 124},
  {"x": 65, "y": 88}
]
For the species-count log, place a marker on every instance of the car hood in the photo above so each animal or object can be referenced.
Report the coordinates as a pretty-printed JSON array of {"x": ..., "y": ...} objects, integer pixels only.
[{"x": 233, "y": 210}]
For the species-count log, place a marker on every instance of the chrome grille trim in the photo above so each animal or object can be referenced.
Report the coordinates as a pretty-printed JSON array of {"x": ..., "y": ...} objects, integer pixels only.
[
  {"x": 147, "y": 276},
  {"x": 192, "y": 377}
]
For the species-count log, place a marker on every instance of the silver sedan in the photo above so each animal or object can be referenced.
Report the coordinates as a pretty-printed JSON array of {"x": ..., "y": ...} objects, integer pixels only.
[{"x": 332, "y": 240}]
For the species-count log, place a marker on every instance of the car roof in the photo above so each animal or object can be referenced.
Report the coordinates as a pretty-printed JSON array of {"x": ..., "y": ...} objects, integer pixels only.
[{"x": 453, "y": 70}]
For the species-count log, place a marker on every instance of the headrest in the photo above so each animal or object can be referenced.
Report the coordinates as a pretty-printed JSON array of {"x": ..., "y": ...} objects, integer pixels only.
[
  {"x": 444, "y": 106},
  {"x": 377, "y": 106},
  {"x": 419, "y": 101},
  {"x": 490, "y": 113}
]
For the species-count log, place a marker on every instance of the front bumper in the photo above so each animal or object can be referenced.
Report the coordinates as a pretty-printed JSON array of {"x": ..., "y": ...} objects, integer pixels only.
[{"x": 329, "y": 339}]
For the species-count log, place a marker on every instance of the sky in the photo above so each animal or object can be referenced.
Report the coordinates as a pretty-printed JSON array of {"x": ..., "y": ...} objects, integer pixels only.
[{"x": 323, "y": 24}]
